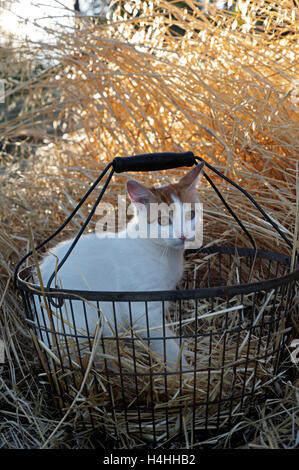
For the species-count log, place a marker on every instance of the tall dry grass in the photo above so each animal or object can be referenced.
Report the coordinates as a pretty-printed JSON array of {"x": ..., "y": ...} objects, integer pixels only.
[{"x": 227, "y": 90}]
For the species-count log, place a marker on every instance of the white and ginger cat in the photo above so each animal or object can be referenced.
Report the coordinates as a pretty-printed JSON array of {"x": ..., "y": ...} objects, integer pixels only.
[{"x": 129, "y": 264}]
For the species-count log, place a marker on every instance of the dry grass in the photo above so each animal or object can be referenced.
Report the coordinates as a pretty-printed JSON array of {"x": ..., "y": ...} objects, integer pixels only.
[{"x": 226, "y": 92}]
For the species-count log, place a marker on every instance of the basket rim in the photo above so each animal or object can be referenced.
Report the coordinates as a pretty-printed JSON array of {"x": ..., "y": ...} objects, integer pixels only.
[{"x": 171, "y": 295}]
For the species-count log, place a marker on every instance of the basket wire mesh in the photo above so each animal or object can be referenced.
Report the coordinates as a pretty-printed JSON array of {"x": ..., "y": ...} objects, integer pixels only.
[{"x": 230, "y": 312}]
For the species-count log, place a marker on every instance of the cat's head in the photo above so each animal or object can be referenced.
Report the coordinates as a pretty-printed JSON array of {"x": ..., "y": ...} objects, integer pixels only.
[{"x": 171, "y": 215}]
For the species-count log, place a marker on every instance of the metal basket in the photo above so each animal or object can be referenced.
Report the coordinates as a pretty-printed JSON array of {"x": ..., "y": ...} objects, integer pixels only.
[{"x": 231, "y": 310}]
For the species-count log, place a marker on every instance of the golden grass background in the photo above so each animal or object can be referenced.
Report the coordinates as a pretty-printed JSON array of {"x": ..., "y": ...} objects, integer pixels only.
[{"x": 224, "y": 90}]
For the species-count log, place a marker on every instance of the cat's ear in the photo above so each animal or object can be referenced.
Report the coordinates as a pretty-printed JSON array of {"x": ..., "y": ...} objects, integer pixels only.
[
  {"x": 191, "y": 179},
  {"x": 139, "y": 193}
]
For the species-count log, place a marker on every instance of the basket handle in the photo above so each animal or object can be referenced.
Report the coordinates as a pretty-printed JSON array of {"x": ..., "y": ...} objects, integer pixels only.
[
  {"x": 149, "y": 162},
  {"x": 153, "y": 161}
]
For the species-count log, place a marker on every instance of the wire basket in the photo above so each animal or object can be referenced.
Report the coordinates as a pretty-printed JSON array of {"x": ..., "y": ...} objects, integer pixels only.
[{"x": 230, "y": 311}]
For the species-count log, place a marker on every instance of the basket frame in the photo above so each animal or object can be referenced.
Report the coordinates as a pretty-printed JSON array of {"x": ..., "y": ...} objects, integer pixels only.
[
  {"x": 178, "y": 294},
  {"x": 284, "y": 283}
]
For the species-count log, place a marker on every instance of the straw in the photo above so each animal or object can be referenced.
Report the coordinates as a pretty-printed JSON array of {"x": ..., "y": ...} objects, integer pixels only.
[{"x": 225, "y": 90}]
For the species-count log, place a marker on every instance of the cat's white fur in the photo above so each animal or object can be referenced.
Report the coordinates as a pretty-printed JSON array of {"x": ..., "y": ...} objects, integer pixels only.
[{"x": 122, "y": 263}]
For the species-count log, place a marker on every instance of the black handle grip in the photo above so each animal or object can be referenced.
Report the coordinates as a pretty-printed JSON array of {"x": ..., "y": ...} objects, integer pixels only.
[{"x": 153, "y": 161}]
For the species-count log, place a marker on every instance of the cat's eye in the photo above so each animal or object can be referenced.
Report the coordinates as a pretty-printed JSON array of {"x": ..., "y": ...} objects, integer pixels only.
[
  {"x": 164, "y": 220},
  {"x": 190, "y": 215}
]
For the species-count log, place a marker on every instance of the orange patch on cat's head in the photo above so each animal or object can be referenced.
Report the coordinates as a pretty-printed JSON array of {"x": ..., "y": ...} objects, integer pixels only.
[{"x": 184, "y": 190}]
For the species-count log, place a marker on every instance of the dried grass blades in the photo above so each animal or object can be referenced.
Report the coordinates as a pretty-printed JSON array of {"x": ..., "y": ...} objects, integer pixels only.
[{"x": 224, "y": 92}]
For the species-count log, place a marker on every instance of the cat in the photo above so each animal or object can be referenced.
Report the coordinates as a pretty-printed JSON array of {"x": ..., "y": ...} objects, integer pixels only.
[{"x": 126, "y": 263}]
